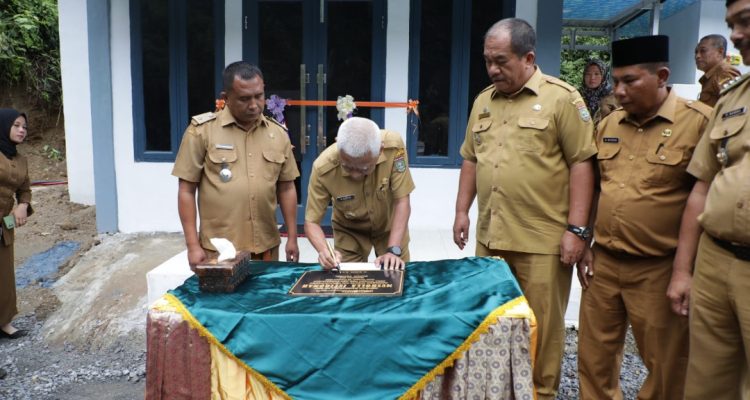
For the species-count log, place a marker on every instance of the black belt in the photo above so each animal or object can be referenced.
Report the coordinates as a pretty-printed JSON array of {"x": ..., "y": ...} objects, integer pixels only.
[{"x": 742, "y": 252}]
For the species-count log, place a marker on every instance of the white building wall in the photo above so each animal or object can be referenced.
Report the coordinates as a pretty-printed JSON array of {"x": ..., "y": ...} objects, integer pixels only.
[
  {"x": 232, "y": 31},
  {"x": 397, "y": 64},
  {"x": 682, "y": 29},
  {"x": 146, "y": 191},
  {"x": 74, "y": 65}
]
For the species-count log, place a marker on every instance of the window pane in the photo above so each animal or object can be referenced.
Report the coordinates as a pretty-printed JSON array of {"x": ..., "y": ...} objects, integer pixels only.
[
  {"x": 349, "y": 58},
  {"x": 484, "y": 13},
  {"x": 155, "y": 64},
  {"x": 434, "y": 77},
  {"x": 280, "y": 55},
  {"x": 200, "y": 57}
]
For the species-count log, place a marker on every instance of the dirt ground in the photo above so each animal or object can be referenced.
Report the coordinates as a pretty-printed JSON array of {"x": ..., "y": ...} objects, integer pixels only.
[{"x": 87, "y": 321}]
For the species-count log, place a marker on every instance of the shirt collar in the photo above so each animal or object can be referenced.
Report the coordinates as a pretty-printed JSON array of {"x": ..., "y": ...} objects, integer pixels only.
[
  {"x": 666, "y": 110},
  {"x": 532, "y": 85},
  {"x": 713, "y": 71},
  {"x": 226, "y": 118}
]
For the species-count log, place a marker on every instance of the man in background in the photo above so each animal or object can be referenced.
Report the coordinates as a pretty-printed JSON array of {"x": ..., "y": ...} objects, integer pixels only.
[{"x": 710, "y": 57}]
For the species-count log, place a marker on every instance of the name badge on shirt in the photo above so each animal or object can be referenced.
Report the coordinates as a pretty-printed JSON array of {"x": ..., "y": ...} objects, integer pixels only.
[
  {"x": 224, "y": 146},
  {"x": 734, "y": 113},
  {"x": 611, "y": 140},
  {"x": 345, "y": 197}
]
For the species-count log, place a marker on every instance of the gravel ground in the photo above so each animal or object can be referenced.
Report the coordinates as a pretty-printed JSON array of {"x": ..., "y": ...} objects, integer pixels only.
[
  {"x": 40, "y": 371},
  {"x": 632, "y": 374}
]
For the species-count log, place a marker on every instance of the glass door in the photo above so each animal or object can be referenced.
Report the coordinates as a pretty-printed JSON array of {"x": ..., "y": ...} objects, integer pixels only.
[{"x": 317, "y": 50}]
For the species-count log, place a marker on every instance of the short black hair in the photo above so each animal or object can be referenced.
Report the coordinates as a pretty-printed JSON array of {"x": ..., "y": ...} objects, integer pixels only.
[
  {"x": 730, "y": 2},
  {"x": 717, "y": 41},
  {"x": 242, "y": 69},
  {"x": 654, "y": 66},
  {"x": 522, "y": 35}
]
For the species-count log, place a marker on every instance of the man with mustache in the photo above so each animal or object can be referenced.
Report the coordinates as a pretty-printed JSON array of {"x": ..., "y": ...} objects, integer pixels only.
[
  {"x": 527, "y": 160},
  {"x": 365, "y": 174},
  {"x": 716, "y": 224},
  {"x": 241, "y": 164}
]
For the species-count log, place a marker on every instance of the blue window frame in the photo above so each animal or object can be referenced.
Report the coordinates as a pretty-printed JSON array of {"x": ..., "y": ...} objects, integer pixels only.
[
  {"x": 177, "y": 59},
  {"x": 446, "y": 71}
]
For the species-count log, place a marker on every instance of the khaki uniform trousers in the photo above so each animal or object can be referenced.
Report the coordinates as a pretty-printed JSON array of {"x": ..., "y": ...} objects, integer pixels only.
[
  {"x": 719, "y": 325},
  {"x": 356, "y": 247},
  {"x": 626, "y": 288},
  {"x": 545, "y": 282}
]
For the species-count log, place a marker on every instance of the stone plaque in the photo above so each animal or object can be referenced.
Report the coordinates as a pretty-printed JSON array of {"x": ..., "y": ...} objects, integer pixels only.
[{"x": 349, "y": 283}]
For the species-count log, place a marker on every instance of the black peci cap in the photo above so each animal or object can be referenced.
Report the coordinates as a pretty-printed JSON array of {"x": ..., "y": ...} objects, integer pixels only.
[{"x": 640, "y": 50}]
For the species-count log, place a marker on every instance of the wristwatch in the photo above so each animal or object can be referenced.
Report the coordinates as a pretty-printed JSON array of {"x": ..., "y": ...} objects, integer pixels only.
[
  {"x": 583, "y": 232},
  {"x": 395, "y": 250}
]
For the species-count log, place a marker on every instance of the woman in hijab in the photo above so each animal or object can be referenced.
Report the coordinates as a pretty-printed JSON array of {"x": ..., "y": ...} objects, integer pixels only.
[
  {"x": 597, "y": 91},
  {"x": 14, "y": 187}
]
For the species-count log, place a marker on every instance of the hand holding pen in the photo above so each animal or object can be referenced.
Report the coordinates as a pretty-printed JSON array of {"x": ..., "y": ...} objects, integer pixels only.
[{"x": 329, "y": 259}]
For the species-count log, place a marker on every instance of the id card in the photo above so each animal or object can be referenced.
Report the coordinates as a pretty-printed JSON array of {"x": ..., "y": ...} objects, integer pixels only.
[{"x": 9, "y": 221}]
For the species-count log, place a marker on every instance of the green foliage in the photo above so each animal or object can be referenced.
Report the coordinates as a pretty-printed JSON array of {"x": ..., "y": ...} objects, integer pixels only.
[
  {"x": 30, "y": 49},
  {"x": 52, "y": 153},
  {"x": 572, "y": 62}
]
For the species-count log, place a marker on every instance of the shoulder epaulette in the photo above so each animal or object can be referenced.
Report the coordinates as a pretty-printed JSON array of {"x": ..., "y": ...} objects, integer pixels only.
[
  {"x": 280, "y": 125},
  {"x": 392, "y": 139},
  {"x": 700, "y": 107},
  {"x": 559, "y": 82},
  {"x": 327, "y": 162},
  {"x": 733, "y": 83},
  {"x": 202, "y": 118}
]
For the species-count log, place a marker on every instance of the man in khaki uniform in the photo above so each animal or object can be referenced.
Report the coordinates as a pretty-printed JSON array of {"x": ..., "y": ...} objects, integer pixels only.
[
  {"x": 241, "y": 163},
  {"x": 527, "y": 159},
  {"x": 719, "y": 206},
  {"x": 644, "y": 149},
  {"x": 365, "y": 174},
  {"x": 710, "y": 56}
]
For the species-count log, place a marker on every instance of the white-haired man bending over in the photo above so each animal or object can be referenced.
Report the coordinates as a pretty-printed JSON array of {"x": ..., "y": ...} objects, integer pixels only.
[{"x": 365, "y": 175}]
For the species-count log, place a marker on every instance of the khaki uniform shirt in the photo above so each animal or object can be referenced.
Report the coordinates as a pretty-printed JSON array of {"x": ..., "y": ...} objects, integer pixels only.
[
  {"x": 644, "y": 182},
  {"x": 364, "y": 207},
  {"x": 727, "y": 211},
  {"x": 243, "y": 209},
  {"x": 14, "y": 186},
  {"x": 524, "y": 145},
  {"x": 713, "y": 80}
]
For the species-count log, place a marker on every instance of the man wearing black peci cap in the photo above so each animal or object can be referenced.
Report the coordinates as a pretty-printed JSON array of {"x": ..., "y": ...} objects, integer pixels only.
[{"x": 644, "y": 150}]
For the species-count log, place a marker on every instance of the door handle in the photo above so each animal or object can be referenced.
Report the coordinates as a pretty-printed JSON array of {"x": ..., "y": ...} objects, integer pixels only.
[
  {"x": 321, "y": 93},
  {"x": 303, "y": 111}
]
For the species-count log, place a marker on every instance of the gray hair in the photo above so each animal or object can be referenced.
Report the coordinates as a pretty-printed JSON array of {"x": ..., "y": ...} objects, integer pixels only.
[
  {"x": 717, "y": 42},
  {"x": 358, "y": 136},
  {"x": 522, "y": 35}
]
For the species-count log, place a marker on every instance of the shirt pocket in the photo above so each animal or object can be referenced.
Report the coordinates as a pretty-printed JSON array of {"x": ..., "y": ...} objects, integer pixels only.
[
  {"x": 480, "y": 131},
  {"x": 350, "y": 204},
  {"x": 219, "y": 157},
  {"x": 532, "y": 130},
  {"x": 272, "y": 165},
  {"x": 664, "y": 166},
  {"x": 725, "y": 130},
  {"x": 605, "y": 159}
]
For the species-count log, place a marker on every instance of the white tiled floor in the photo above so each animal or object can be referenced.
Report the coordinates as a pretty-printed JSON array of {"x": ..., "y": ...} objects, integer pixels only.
[{"x": 425, "y": 246}]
